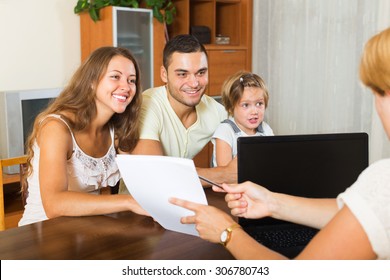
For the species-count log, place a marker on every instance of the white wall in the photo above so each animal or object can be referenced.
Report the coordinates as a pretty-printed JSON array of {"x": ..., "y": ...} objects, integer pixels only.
[{"x": 39, "y": 43}]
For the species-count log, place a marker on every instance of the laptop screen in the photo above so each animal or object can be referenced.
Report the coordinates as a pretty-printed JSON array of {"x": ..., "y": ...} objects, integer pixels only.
[{"x": 317, "y": 166}]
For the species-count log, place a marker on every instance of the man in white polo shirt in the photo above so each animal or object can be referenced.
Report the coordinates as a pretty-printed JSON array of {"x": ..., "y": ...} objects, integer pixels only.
[{"x": 178, "y": 119}]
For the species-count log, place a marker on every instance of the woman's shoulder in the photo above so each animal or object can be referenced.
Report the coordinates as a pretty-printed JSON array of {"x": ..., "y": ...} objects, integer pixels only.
[
  {"x": 369, "y": 200},
  {"x": 54, "y": 121},
  {"x": 54, "y": 127},
  {"x": 379, "y": 168},
  {"x": 375, "y": 179}
]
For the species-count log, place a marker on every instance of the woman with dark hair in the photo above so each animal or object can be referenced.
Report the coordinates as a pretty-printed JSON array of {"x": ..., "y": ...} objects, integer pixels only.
[{"x": 71, "y": 150}]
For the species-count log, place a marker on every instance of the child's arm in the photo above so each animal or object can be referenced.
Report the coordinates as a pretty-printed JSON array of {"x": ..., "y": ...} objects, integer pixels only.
[{"x": 223, "y": 152}]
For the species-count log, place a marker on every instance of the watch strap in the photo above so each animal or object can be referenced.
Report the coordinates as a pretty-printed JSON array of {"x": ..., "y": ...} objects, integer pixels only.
[{"x": 229, "y": 231}]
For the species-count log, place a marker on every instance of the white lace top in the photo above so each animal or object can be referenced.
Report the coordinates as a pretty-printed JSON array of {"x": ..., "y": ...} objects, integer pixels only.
[
  {"x": 369, "y": 200},
  {"x": 85, "y": 174}
]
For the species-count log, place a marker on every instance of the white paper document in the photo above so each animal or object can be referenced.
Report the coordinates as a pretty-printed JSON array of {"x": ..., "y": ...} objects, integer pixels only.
[{"x": 152, "y": 180}]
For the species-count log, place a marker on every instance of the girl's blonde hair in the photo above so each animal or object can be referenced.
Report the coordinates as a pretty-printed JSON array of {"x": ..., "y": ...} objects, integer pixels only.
[
  {"x": 78, "y": 99},
  {"x": 233, "y": 89},
  {"x": 374, "y": 65}
]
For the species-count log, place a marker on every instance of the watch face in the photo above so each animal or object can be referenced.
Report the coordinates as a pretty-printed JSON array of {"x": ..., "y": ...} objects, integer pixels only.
[{"x": 224, "y": 236}]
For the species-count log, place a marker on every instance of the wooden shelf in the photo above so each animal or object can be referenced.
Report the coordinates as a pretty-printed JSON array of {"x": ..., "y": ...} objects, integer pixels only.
[
  {"x": 210, "y": 47},
  {"x": 231, "y": 18},
  {"x": 11, "y": 178}
]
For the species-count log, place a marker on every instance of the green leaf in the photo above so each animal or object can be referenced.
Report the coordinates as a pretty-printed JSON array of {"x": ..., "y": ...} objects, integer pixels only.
[
  {"x": 129, "y": 3},
  {"x": 135, "y": 4},
  {"x": 114, "y": 2},
  {"x": 157, "y": 14},
  {"x": 81, "y": 6},
  {"x": 100, "y": 4},
  {"x": 168, "y": 17},
  {"x": 94, "y": 14},
  {"x": 163, "y": 10}
]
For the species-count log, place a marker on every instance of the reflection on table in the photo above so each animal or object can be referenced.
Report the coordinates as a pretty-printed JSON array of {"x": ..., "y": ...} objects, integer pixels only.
[{"x": 122, "y": 235}]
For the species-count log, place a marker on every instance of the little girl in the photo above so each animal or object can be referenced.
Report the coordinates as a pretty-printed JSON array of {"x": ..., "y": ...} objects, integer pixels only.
[{"x": 245, "y": 98}]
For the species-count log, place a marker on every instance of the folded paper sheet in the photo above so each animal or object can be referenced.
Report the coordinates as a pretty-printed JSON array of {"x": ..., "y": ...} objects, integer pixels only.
[{"x": 152, "y": 180}]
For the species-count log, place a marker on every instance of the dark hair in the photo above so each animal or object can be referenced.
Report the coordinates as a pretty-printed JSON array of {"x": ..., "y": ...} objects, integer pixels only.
[{"x": 184, "y": 43}]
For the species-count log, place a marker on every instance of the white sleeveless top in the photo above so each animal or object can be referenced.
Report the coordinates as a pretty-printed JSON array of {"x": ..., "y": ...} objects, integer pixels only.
[{"x": 85, "y": 174}]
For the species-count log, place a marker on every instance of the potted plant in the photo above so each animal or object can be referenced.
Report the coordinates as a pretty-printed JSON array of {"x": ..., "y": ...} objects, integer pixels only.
[{"x": 163, "y": 10}]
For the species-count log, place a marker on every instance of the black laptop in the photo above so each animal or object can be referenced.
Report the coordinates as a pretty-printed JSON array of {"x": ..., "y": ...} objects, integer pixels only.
[{"x": 316, "y": 166}]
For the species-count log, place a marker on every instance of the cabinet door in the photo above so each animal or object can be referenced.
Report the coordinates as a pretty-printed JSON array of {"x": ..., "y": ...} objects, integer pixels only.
[
  {"x": 223, "y": 63},
  {"x": 129, "y": 28},
  {"x": 133, "y": 30}
]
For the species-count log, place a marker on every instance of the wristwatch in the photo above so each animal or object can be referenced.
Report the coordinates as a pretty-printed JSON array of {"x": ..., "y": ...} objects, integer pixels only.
[{"x": 227, "y": 233}]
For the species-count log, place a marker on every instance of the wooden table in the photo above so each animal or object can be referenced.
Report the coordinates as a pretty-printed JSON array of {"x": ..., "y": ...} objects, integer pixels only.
[{"x": 122, "y": 235}]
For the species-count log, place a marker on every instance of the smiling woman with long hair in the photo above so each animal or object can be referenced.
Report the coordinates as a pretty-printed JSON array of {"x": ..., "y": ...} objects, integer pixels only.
[{"x": 72, "y": 148}]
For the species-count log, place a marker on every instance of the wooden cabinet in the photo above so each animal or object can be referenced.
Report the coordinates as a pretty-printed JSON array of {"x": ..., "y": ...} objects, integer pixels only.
[
  {"x": 117, "y": 29},
  {"x": 230, "y": 18},
  {"x": 223, "y": 63}
]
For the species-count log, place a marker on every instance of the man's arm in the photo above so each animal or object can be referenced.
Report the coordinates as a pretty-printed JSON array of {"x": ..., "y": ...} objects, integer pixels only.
[
  {"x": 220, "y": 174},
  {"x": 148, "y": 147}
]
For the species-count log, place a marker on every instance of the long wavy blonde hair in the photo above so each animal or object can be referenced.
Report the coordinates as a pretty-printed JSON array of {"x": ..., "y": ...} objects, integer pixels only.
[{"x": 78, "y": 99}]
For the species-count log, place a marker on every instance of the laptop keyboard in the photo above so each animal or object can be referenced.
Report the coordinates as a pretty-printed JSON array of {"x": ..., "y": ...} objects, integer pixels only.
[{"x": 283, "y": 238}]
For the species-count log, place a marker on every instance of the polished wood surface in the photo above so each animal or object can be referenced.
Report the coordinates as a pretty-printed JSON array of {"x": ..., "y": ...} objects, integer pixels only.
[{"x": 122, "y": 235}]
